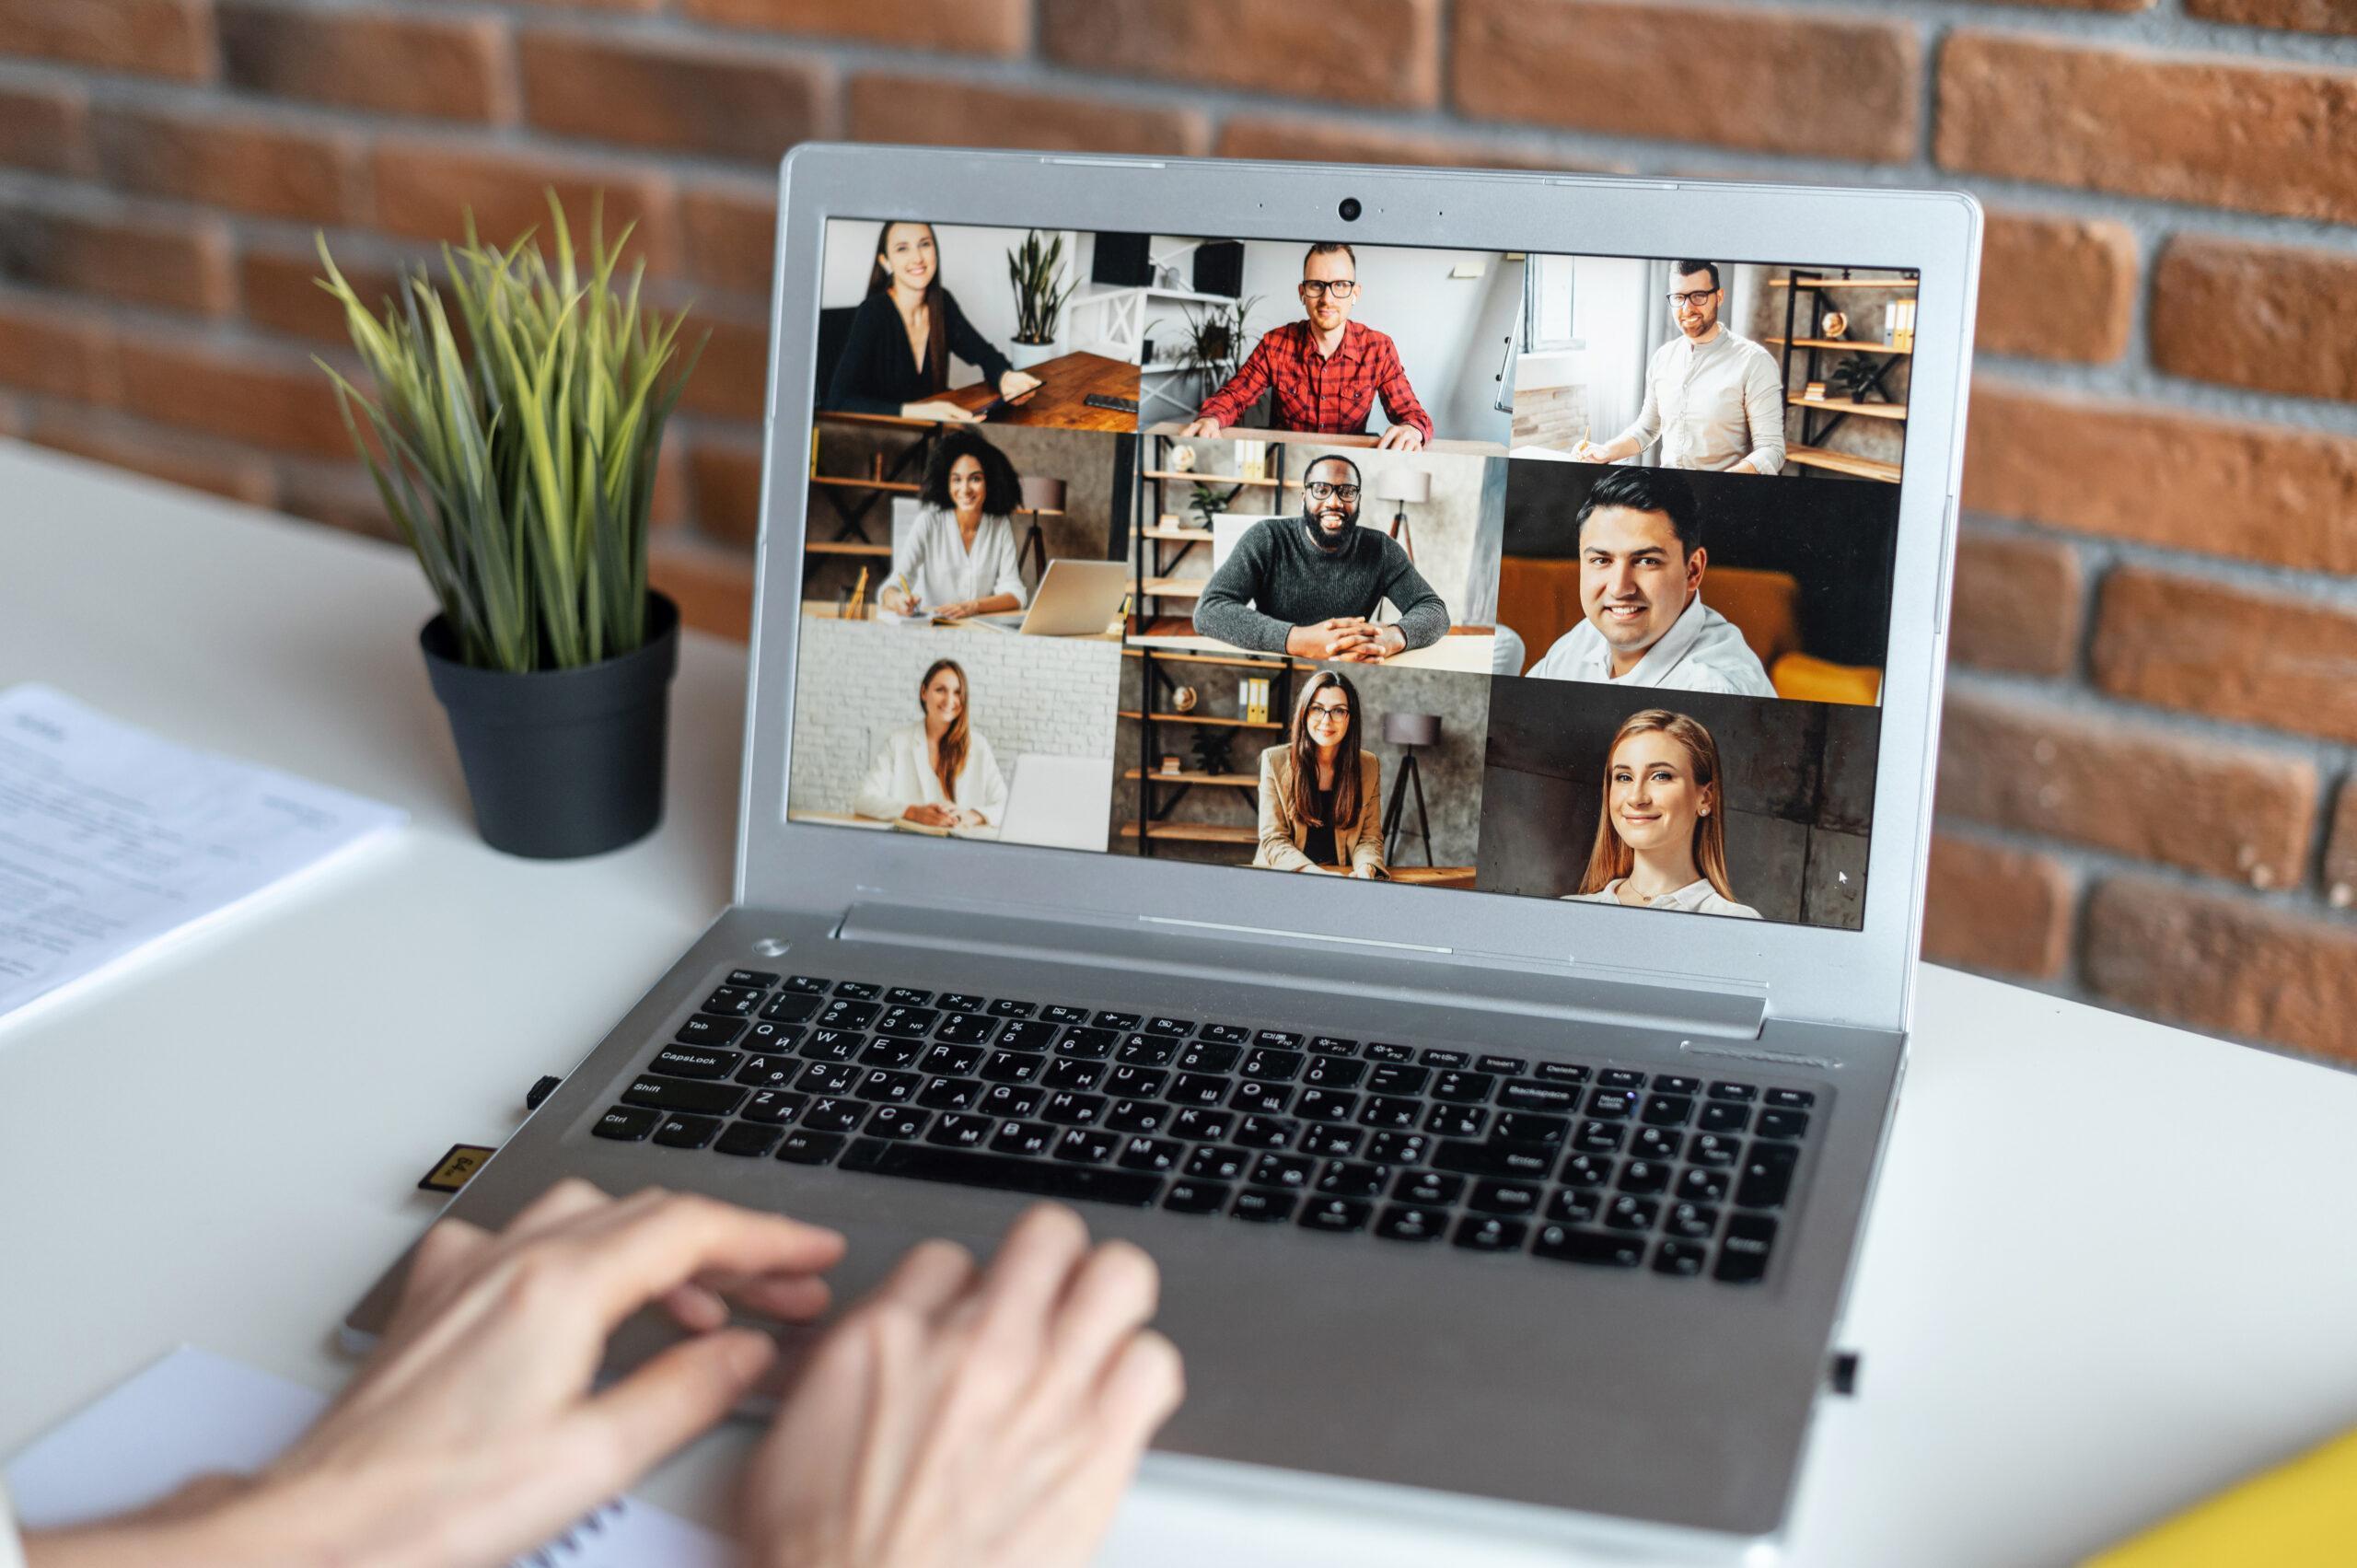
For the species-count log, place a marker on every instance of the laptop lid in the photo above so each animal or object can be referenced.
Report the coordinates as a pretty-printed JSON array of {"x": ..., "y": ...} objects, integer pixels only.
[
  {"x": 1822, "y": 802},
  {"x": 1077, "y": 599},
  {"x": 1058, "y": 802}
]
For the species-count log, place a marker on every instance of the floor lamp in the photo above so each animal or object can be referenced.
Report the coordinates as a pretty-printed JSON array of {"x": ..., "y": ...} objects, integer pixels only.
[
  {"x": 1408, "y": 731},
  {"x": 1403, "y": 486},
  {"x": 1040, "y": 495}
]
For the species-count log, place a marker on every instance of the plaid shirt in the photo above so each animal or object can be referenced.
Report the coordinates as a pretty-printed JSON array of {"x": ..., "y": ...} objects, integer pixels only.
[{"x": 1324, "y": 396}]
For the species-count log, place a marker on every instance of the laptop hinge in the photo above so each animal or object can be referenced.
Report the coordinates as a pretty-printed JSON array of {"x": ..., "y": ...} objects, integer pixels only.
[{"x": 1224, "y": 954}]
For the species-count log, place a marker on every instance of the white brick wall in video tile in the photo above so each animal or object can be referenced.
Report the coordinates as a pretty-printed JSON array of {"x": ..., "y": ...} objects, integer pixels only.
[{"x": 858, "y": 681}]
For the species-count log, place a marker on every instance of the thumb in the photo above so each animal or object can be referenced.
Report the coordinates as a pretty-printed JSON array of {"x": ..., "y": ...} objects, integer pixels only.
[{"x": 672, "y": 1400}]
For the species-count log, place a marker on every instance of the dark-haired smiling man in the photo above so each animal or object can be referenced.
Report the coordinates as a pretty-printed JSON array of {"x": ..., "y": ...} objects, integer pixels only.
[
  {"x": 1310, "y": 586},
  {"x": 1713, "y": 398}
]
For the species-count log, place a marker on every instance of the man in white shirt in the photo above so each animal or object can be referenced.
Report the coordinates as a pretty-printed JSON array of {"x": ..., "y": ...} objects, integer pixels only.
[
  {"x": 1643, "y": 622},
  {"x": 1713, "y": 398}
]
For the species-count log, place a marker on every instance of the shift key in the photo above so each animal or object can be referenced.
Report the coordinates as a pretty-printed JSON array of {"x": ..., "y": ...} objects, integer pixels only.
[{"x": 676, "y": 1094}]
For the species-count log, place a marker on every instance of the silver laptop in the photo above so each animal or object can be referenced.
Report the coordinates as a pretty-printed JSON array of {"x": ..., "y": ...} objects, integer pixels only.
[
  {"x": 1077, "y": 599},
  {"x": 1532, "y": 1168}
]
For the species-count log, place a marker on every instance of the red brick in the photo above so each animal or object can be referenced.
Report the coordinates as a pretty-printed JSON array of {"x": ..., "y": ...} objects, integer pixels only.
[
  {"x": 41, "y": 128},
  {"x": 731, "y": 235},
  {"x": 2057, "y": 288},
  {"x": 713, "y": 587},
  {"x": 246, "y": 165},
  {"x": 276, "y": 401},
  {"x": 2227, "y": 964},
  {"x": 424, "y": 189},
  {"x": 2149, "y": 125},
  {"x": 1771, "y": 79},
  {"x": 1988, "y": 908},
  {"x": 2158, "y": 476},
  {"x": 727, "y": 476},
  {"x": 67, "y": 353},
  {"x": 1381, "y": 51},
  {"x": 2223, "y": 810},
  {"x": 450, "y": 68},
  {"x": 1293, "y": 139},
  {"x": 2341, "y": 851},
  {"x": 2288, "y": 664},
  {"x": 2305, "y": 15},
  {"x": 731, "y": 378},
  {"x": 733, "y": 102},
  {"x": 162, "y": 454},
  {"x": 670, "y": 507},
  {"x": 2019, "y": 604},
  {"x": 965, "y": 27},
  {"x": 2258, "y": 316},
  {"x": 178, "y": 266},
  {"x": 280, "y": 290},
  {"x": 153, "y": 38},
  {"x": 958, "y": 114}
]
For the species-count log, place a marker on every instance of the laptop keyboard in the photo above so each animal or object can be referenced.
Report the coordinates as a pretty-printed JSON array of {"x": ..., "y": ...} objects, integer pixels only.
[{"x": 1557, "y": 1161}]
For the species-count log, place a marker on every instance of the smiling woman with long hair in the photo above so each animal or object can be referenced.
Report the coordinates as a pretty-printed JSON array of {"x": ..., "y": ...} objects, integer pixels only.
[
  {"x": 1662, "y": 840},
  {"x": 958, "y": 557},
  {"x": 939, "y": 772},
  {"x": 1318, "y": 791},
  {"x": 895, "y": 360}
]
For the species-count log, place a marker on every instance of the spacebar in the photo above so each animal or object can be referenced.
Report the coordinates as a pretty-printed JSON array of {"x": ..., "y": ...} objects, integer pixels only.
[{"x": 925, "y": 1162}]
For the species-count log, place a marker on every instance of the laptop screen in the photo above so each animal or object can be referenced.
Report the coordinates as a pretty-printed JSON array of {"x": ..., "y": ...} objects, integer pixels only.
[{"x": 1565, "y": 577}]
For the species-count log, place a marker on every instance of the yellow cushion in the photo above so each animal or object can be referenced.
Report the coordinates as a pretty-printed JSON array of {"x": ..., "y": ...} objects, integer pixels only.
[
  {"x": 1807, "y": 678},
  {"x": 2298, "y": 1513}
]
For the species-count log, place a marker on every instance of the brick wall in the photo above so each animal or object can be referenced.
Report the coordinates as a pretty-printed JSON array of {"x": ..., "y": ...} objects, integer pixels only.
[{"x": 2146, "y": 797}]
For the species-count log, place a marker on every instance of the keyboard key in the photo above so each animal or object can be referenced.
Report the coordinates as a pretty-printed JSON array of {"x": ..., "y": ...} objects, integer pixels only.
[
  {"x": 1767, "y": 1176},
  {"x": 1332, "y": 1073},
  {"x": 1723, "y": 1116},
  {"x": 1253, "y": 1093},
  {"x": 1429, "y": 1189},
  {"x": 1551, "y": 1100},
  {"x": 888, "y": 1052},
  {"x": 749, "y": 1140},
  {"x": 1524, "y": 1161},
  {"x": 1446, "y": 1058},
  {"x": 1612, "y": 1105},
  {"x": 1772, "y": 1124},
  {"x": 774, "y": 1107},
  {"x": 768, "y": 1072},
  {"x": 1503, "y": 1066},
  {"x": 1011, "y": 1067},
  {"x": 1044, "y": 1178},
  {"x": 706, "y": 1030},
  {"x": 961, "y": 1131},
  {"x": 1138, "y": 1116},
  {"x": 1177, "y": 1028},
  {"x": 1386, "y": 1112},
  {"x": 965, "y": 1028},
  {"x": 690, "y": 1062},
  {"x": 809, "y": 986},
  {"x": 1067, "y": 1110},
  {"x": 1266, "y": 1208},
  {"x": 1516, "y": 1198},
  {"x": 833, "y": 1045},
  {"x": 953, "y": 1060},
  {"x": 961, "y": 1002},
  {"x": 1054, "y": 1012},
  {"x": 1742, "y": 1092},
  {"x": 1265, "y": 1063},
  {"x": 1331, "y": 1045},
  {"x": 1226, "y": 1034},
  {"x": 733, "y": 1001},
  {"x": 1006, "y": 1009},
  {"x": 1698, "y": 1185},
  {"x": 1693, "y": 1221},
  {"x": 1626, "y": 1212},
  {"x": 771, "y": 1039},
  {"x": 1666, "y": 1111},
  {"x": 1087, "y": 1146},
  {"x": 1398, "y": 1148},
  {"x": 1340, "y": 1215},
  {"x": 1456, "y": 1120},
  {"x": 1743, "y": 1255},
  {"x": 908, "y": 996},
  {"x": 1095, "y": 1045},
  {"x": 678, "y": 1094},
  {"x": 1407, "y": 1222},
  {"x": 1670, "y": 1083},
  {"x": 1395, "y": 1079},
  {"x": 1790, "y": 1099},
  {"x": 1325, "y": 1105},
  {"x": 1682, "y": 1259},
  {"x": 1588, "y": 1171},
  {"x": 832, "y": 1113},
  {"x": 1715, "y": 1150},
  {"x": 950, "y": 1093},
  {"x": 1197, "y": 1088},
  {"x": 841, "y": 1015},
  {"x": 1198, "y": 1126},
  {"x": 1524, "y": 1127},
  {"x": 1158, "y": 1155},
  {"x": 1117, "y": 1022},
  {"x": 1599, "y": 1138},
  {"x": 883, "y": 1086},
  {"x": 1188, "y": 1197},
  {"x": 788, "y": 1008},
  {"x": 802, "y": 1146},
  {"x": 681, "y": 1131},
  {"x": 909, "y": 1023},
  {"x": 1619, "y": 1078},
  {"x": 1644, "y": 1175},
  {"x": 1208, "y": 1056},
  {"x": 1568, "y": 1244},
  {"x": 1464, "y": 1088},
  {"x": 1033, "y": 1138},
  {"x": 858, "y": 990},
  {"x": 1560, "y": 1073},
  {"x": 1266, "y": 1132},
  {"x": 1572, "y": 1205},
  {"x": 1007, "y": 1099},
  {"x": 1281, "y": 1039},
  {"x": 896, "y": 1122},
  {"x": 1072, "y": 1073},
  {"x": 1291, "y": 1172},
  {"x": 1379, "y": 1050},
  {"x": 626, "y": 1124},
  {"x": 1487, "y": 1233},
  {"x": 1218, "y": 1165},
  {"x": 1146, "y": 1051},
  {"x": 1350, "y": 1179}
]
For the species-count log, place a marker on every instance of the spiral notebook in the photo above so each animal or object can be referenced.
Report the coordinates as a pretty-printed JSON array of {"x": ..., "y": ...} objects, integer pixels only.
[{"x": 193, "y": 1413}]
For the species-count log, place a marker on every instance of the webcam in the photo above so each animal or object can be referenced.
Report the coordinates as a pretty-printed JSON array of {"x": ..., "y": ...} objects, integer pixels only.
[{"x": 1349, "y": 209}]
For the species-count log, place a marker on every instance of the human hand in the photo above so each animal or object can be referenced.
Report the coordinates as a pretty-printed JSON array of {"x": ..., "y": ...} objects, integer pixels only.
[
  {"x": 1331, "y": 639},
  {"x": 957, "y": 611},
  {"x": 940, "y": 409},
  {"x": 897, "y": 599},
  {"x": 1200, "y": 428},
  {"x": 472, "y": 1433},
  {"x": 928, "y": 816},
  {"x": 1374, "y": 645},
  {"x": 966, "y": 1419},
  {"x": 1017, "y": 385},
  {"x": 1401, "y": 438}
]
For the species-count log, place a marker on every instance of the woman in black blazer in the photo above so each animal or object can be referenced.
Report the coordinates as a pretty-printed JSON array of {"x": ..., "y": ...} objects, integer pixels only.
[{"x": 896, "y": 358}]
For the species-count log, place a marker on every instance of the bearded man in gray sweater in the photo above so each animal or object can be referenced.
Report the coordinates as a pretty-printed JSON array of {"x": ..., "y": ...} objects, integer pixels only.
[{"x": 1310, "y": 586}]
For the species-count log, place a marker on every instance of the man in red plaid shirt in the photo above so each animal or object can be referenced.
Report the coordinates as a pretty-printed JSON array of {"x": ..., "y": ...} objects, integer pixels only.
[{"x": 1328, "y": 370}]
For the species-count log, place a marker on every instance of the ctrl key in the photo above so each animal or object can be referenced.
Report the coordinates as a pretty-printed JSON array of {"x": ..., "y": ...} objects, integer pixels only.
[
  {"x": 1566, "y": 1245},
  {"x": 626, "y": 1123}
]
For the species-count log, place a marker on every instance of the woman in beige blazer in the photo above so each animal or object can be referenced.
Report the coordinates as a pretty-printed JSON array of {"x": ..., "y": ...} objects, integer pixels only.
[{"x": 1319, "y": 793}]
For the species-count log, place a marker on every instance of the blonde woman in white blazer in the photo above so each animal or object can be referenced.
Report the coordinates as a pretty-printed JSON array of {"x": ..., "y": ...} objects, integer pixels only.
[{"x": 937, "y": 773}]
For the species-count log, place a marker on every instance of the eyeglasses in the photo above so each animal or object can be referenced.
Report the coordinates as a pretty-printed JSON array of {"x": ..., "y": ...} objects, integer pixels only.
[
  {"x": 1318, "y": 490},
  {"x": 1686, "y": 301},
  {"x": 1340, "y": 288},
  {"x": 1329, "y": 710}
]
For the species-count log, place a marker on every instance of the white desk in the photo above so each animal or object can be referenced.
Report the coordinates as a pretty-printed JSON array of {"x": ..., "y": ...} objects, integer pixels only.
[{"x": 2067, "y": 1329}]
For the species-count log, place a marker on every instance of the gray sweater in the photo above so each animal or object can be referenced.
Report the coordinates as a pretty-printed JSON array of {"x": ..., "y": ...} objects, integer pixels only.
[{"x": 1276, "y": 579}]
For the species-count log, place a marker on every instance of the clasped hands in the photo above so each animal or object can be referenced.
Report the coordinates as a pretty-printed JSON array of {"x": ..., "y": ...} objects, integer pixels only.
[
  {"x": 928, "y": 816},
  {"x": 960, "y": 1416},
  {"x": 1345, "y": 639}
]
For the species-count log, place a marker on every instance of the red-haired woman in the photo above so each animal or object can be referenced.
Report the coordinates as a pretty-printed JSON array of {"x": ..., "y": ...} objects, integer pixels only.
[
  {"x": 1662, "y": 841},
  {"x": 1318, "y": 791},
  {"x": 936, "y": 773}
]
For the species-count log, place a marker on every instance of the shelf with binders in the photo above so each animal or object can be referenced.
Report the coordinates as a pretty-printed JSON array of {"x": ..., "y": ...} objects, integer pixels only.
[{"x": 1862, "y": 391}]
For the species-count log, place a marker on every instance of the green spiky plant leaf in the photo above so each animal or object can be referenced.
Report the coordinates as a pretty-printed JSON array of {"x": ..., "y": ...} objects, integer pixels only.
[{"x": 520, "y": 468}]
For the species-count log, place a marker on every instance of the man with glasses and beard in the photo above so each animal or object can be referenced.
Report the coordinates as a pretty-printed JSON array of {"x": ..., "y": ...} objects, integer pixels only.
[
  {"x": 1713, "y": 398},
  {"x": 1310, "y": 586},
  {"x": 1327, "y": 370}
]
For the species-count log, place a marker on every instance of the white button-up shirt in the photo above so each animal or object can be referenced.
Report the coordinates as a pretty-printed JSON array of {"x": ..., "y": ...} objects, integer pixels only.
[
  {"x": 1711, "y": 405},
  {"x": 1697, "y": 897},
  {"x": 1703, "y": 651},
  {"x": 937, "y": 567}
]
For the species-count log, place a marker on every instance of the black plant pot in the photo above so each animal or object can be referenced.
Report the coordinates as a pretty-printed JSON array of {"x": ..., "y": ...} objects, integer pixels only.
[{"x": 562, "y": 762}]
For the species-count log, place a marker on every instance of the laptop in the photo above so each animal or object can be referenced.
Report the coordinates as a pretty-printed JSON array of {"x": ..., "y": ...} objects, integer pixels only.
[
  {"x": 1537, "y": 1199},
  {"x": 1058, "y": 802},
  {"x": 1077, "y": 599}
]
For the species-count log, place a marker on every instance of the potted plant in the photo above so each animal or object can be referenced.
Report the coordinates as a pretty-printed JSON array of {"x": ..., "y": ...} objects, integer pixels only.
[
  {"x": 516, "y": 453},
  {"x": 1213, "y": 347},
  {"x": 1040, "y": 289}
]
